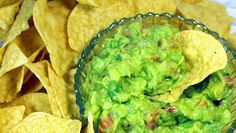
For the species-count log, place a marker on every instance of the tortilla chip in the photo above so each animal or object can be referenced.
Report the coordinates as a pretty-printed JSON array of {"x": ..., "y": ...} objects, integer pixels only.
[
  {"x": 2, "y": 51},
  {"x": 61, "y": 95},
  {"x": 89, "y": 128},
  {"x": 210, "y": 13},
  {"x": 191, "y": 1},
  {"x": 89, "y": 2},
  {"x": 85, "y": 22},
  {"x": 45, "y": 123},
  {"x": 60, "y": 89},
  {"x": 156, "y": 6},
  {"x": 43, "y": 54},
  {"x": 69, "y": 80},
  {"x": 104, "y": 3},
  {"x": 21, "y": 22},
  {"x": 40, "y": 70},
  {"x": 8, "y": 10},
  {"x": 32, "y": 47},
  {"x": 11, "y": 83},
  {"x": 12, "y": 58},
  {"x": 27, "y": 45},
  {"x": 69, "y": 3},
  {"x": 33, "y": 102},
  {"x": 204, "y": 56},
  {"x": 31, "y": 85},
  {"x": 55, "y": 15},
  {"x": 10, "y": 116},
  {"x": 30, "y": 42},
  {"x": 4, "y": 3}
]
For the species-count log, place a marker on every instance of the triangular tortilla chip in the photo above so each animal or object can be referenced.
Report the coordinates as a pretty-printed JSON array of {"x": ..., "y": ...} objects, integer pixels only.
[
  {"x": 40, "y": 70},
  {"x": 33, "y": 102},
  {"x": 21, "y": 22},
  {"x": 10, "y": 116},
  {"x": 8, "y": 10},
  {"x": 85, "y": 22},
  {"x": 209, "y": 13},
  {"x": 11, "y": 83},
  {"x": 40, "y": 122},
  {"x": 59, "y": 88},
  {"x": 54, "y": 15},
  {"x": 204, "y": 56},
  {"x": 13, "y": 58},
  {"x": 89, "y": 21}
]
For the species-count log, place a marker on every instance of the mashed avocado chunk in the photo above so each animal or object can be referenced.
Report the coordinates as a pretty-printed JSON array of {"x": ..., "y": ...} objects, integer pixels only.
[{"x": 136, "y": 63}]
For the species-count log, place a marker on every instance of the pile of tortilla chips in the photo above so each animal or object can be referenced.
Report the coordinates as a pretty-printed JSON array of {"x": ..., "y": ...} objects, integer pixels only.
[{"x": 42, "y": 42}]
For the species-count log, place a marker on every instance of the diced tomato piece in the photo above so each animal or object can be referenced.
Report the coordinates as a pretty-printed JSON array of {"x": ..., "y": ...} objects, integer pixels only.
[
  {"x": 106, "y": 123},
  {"x": 171, "y": 109}
]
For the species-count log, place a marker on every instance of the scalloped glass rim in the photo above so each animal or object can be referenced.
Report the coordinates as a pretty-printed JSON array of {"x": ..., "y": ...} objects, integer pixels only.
[{"x": 164, "y": 16}]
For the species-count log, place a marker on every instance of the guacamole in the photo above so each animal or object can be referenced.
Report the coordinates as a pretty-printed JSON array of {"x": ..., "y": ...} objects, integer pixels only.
[{"x": 136, "y": 63}]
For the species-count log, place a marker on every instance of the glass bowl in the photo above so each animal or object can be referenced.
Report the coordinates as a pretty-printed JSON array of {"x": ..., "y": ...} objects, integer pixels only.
[{"x": 149, "y": 19}]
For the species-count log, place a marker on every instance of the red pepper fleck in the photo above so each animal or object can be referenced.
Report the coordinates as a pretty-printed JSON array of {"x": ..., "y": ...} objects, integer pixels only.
[
  {"x": 99, "y": 130},
  {"x": 156, "y": 59},
  {"x": 151, "y": 125},
  {"x": 171, "y": 109},
  {"x": 229, "y": 81},
  {"x": 172, "y": 69},
  {"x": 154, "y": 115},
  {"x": 106, "y": 123},
  {"x": 173, "y": 46},
  {"x": 126, "y": 33}
]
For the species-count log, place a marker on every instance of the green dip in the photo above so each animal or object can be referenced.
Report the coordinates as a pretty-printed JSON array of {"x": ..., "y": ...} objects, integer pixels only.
[{"x": 138, "y": 62}]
